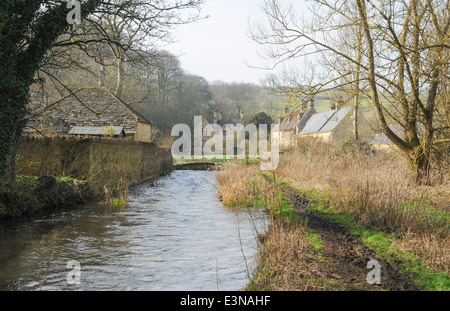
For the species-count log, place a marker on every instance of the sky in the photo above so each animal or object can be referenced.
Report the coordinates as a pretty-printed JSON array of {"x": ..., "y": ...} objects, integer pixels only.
[{"x": 217, "y": 48}]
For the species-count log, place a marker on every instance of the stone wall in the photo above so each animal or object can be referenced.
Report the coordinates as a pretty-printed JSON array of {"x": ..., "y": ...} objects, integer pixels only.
[
  {"x": 101, "y": 161},
  {"x": 143, "y": 132}
]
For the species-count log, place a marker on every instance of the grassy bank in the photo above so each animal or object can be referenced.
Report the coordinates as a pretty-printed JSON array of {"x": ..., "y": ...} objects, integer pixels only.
[
  {"x": 289, "y": 252},
  {"x": 30, "y": 194},
  {"x": 378, "y": 192},
  {"x": 422, "y": 256},
  {"x": 370, "y": 194}
]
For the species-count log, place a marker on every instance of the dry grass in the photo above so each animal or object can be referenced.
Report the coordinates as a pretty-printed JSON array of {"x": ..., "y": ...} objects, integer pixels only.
[
  {"x": 377, "y": 189},
  {"x": 116, "y": 198},
  {"x": 286, "y": 261},
  {"x": 243, "y": 186}
]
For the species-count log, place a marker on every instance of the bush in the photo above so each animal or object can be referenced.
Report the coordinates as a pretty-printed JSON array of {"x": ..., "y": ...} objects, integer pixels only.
[{"x": 352, "y": 145}]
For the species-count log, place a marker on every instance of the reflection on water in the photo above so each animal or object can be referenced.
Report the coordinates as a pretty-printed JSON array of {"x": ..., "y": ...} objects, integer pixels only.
[{"x": 174, "y": 235}]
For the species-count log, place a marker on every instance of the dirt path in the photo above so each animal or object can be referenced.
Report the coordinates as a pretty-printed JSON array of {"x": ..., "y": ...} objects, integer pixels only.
[{"x": 346, "y": 254}]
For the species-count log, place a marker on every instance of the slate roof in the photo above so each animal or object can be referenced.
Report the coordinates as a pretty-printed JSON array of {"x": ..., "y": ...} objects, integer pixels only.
[
  {"x": 295, "y": 118},
  {"x": 94, "y": 107},
  {"x": 325, "y": 121},
  {"x": 335, "y": 119}
]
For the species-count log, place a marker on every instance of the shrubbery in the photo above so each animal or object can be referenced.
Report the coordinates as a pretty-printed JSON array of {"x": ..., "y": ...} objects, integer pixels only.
[{"x": 31, "y": 194}]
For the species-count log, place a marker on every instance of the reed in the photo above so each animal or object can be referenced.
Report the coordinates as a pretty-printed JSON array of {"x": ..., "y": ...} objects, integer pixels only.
[{"x": 116, "y": 198}]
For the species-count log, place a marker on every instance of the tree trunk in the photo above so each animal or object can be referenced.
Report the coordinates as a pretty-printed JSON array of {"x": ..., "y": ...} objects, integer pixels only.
[
  {"x": 419, "y": 163},
  {"x": 11, "y": 126},
  {"x": 120, "y": 78},
  {"x": 102, "y": 76},
  {"x": 357, "y": 82},
  {"x": 355, "y": 118}
]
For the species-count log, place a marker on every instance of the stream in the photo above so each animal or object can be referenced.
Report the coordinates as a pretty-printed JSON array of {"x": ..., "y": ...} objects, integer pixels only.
[{"x": 175, "y": 234}]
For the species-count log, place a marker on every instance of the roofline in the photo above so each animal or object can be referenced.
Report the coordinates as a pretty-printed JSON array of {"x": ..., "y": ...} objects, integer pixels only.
[
  {"x": 125, "y": 105},
  {"x": 323, "y": 112}
]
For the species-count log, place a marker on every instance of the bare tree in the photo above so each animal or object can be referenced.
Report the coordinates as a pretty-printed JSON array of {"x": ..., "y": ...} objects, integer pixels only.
[
  {"x": 30, "y": 29},
  {"x": 404, "y": 60},
  {"x": 128, "y": 33}
]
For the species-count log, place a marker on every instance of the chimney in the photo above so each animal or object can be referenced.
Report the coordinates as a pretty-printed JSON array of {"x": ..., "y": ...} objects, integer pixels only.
[
  {"x": 220, "y": 116},
  {"x": 286, "y": 110},
  {"x": 242, "y": 115},
  {"x": 215, "y": 114},
  {"x": 311, "y": 104}
]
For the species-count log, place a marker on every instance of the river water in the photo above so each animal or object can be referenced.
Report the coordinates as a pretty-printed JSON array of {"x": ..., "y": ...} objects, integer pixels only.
[{"x": 174, "y": 235}]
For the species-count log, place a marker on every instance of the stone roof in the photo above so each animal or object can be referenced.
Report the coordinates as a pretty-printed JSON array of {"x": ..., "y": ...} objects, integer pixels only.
[{"x": 92, "y": 107}]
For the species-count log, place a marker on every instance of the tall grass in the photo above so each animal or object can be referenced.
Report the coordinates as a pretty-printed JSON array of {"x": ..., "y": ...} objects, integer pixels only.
[
  {"x": 287, "y": 261},
  {"x": 116, "y": 198},
  {"x": 242, "y": 185},
  {"x": 286, "y": 258},
  {"x": 378, "y": 191}
]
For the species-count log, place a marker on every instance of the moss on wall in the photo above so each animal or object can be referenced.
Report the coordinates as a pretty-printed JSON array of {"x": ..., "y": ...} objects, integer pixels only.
[{"x": 98, "y": 160}]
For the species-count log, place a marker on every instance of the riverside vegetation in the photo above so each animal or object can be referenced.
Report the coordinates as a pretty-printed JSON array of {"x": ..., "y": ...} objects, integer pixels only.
[
  {"x": 336, "y": 206},
  {"x": 29, "y": 194}
]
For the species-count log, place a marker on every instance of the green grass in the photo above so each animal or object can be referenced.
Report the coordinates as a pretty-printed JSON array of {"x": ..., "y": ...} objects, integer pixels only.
[
  {"x": 316, "y": 242},
  {"x": 383, "y": 244},
  {"x": 117, "y": 203},
  {"x": 285, "y": 212}
]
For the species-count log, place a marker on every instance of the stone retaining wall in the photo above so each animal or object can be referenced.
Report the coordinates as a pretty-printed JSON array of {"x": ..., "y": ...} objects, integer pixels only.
[{"x": 98, "y": 160}]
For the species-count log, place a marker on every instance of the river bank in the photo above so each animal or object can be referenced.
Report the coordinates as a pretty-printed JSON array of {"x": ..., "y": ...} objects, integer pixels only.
[
  {"x": 31, "y": 194},
  {"x": 95, "y": 164},
  {"x": 331, "y": 227}
]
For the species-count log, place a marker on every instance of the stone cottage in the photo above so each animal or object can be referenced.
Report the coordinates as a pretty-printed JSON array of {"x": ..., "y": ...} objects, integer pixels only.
[
  {"x": 292, "y": 123},
  {"x": 90, "y": 107},
  {"x": 335, "y": 124}
]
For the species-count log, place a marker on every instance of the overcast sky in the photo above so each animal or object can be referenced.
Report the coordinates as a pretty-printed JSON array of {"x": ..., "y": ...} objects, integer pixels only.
[{"x": 218, "y": 47}]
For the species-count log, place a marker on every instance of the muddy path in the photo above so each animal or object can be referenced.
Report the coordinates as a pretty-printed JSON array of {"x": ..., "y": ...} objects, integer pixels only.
[{"x": 345, "y": 254}]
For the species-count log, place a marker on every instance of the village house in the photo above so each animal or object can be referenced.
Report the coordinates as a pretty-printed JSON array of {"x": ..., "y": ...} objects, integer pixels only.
[
  {"x": 220, "y": 121},
  {"x": 90, "y": 111},
  {"x": 335, "y": 124},
  {"x": 292, "y": 123},
  {"x": 208, "y": 132}
]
